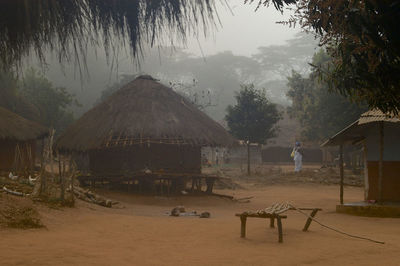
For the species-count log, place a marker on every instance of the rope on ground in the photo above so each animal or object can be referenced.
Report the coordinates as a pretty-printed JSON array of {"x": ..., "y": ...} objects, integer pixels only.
[{"x": 336, "y": 230}]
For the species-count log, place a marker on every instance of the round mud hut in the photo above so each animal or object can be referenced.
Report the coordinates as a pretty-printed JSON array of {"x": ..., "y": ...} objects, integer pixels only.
[
  {"x": 18, "y": 138},
  {"x": 144, "y": 133}
]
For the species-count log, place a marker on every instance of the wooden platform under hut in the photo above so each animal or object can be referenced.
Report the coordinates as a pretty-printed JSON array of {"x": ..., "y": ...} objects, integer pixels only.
[{"x": 156, "y": 182}]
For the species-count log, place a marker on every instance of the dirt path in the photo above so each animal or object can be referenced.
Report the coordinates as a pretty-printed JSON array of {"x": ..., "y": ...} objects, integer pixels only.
[{"x": 141, "y": 234}]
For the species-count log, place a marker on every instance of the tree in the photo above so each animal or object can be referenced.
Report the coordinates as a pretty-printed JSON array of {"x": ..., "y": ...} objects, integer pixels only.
[
  {"x": 279, "y": 60},
  {"x": 11, "y": 99},
  {"x": 362, "y": 37},
  {"x": 253, "y": 118},
  {"x": 320, "y": 111},
  {"x": 52, "y": 102}
]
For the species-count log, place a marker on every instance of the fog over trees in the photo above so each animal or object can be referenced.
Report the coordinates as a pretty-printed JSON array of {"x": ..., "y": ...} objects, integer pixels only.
[{"x": 220, "y": 74}]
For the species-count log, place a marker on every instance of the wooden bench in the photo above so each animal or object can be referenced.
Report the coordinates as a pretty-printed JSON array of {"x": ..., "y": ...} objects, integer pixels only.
[{"x": 272, "y": 216}]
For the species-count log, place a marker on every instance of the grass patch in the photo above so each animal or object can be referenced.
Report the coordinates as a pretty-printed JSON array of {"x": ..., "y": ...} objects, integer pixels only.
[
  {"x": 20, "y": 217},
  {"x": 55, "y": 203}
]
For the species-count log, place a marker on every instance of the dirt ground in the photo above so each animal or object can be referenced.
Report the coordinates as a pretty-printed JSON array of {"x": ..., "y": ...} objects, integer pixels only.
[{"x": 142, "y": 233}]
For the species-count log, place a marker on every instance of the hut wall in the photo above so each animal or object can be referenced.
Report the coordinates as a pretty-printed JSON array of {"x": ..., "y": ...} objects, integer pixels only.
[
  {"x": 391, "y": 163},
  {"x": 7, "y": 155},
  {"x": 156, "y": 157},
  {"x": 390, "y": 182},
  {"x": 391, "y": 143}
]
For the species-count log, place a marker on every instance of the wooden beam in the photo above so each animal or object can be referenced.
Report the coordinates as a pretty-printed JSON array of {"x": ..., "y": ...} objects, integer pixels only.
[
  {"x": 243, "y": 219},
  {"x": 381, "y": 149},
  {"x": 309, "y": 219},
  {"x": 272, "y": 222},
  {"x": 248, "y": 158},
  {"x": 279, "y": 222},
  {"x": 341, "y": 172}
]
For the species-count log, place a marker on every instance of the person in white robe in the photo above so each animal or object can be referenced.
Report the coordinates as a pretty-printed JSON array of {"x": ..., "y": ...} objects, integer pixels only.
[{"x": 297, "y": 157}]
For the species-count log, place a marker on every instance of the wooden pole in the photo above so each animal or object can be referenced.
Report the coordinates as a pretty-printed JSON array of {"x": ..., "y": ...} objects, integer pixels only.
[
  {"x": 272, "y": 222},
  {"x": 61, "y": 173},
  {"x": 72, "y": 168},
  {"x": 42, "y": 172},
  {"x": 341, "y": 172},
  {"x": 51, "y": 139},
  {"x": 248, "y": 157},
  {"x": 309, "y": 219},
  {"x": 243, "y": 220},
  {"x": 381, "y": 148},
  {"x": 366, "y": 181},
  {"x": 279, "y": 222}
]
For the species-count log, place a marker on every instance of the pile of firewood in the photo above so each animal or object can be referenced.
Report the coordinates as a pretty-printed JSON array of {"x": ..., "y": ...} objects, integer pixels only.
[{"x": 89, "y": 196}]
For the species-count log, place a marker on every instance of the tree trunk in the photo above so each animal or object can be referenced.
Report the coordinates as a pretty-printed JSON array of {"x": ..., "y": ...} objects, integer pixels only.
[
  {"x": 61, "y": 175},
  {"x": 248, "y": 158}
]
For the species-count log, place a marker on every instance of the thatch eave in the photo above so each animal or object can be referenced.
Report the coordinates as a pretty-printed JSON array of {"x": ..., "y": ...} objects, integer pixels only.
[{"x": 17, "y": 128}]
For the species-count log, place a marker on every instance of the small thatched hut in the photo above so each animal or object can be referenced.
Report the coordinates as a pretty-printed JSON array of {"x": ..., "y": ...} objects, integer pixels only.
[
  {"x": 144, "y": 126},
  {"x": 379, "y": 134},
  {"x": 18, "y": 141}
]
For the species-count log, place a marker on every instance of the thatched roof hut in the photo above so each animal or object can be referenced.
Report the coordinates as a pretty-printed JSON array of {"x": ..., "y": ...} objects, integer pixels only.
[
  {"x": 143, "y": 111},
  {"x": 17, "y": 140},
  {"x": 144, "y": 125},
  {"x": 17, "y": 128}
]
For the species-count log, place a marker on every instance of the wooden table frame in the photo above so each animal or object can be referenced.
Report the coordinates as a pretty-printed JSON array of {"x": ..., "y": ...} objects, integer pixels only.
[{"x": 272, "y": 216}]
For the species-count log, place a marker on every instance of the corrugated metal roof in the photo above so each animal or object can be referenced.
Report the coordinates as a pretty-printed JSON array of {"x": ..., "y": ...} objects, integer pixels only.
[
  {"x": 350, "y": 134},
  {"x": 356, "y": 131},
  {"x": 377, "y": 116}
]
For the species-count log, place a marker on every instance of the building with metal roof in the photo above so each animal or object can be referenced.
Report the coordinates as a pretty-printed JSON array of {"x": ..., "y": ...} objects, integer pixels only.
[{"x": 379, "y": 134}]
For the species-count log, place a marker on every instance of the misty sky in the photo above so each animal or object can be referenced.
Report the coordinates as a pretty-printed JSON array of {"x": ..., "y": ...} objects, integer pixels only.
[{"x": 244, "y": 30}]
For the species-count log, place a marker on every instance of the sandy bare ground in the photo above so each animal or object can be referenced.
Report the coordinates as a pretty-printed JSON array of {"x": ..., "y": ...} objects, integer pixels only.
[{"x": 141, "y": 233}]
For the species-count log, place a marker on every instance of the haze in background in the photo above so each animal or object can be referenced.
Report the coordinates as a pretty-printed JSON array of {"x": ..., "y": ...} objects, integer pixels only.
[
  {"x": 249, "y": 47},
  {"x": 243, "y": 30}
]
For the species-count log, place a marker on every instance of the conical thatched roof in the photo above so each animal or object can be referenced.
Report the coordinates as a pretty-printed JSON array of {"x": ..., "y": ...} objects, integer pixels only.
[
  {"x": 15, "y": 127},
  {"x": 143, "y": 111},
  {"x": 18, "y": 105}
]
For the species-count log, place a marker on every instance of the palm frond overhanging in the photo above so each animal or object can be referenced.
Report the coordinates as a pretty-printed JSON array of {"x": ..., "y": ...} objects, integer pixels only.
[{"x": 68, "y": 27}]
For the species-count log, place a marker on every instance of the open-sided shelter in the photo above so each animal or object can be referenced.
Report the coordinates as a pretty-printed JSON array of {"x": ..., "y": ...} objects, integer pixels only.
[
  {"x": 143, "y": 127},
  {"x": 379, "y": 134},
  {"x": 18, "y": 141}
]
